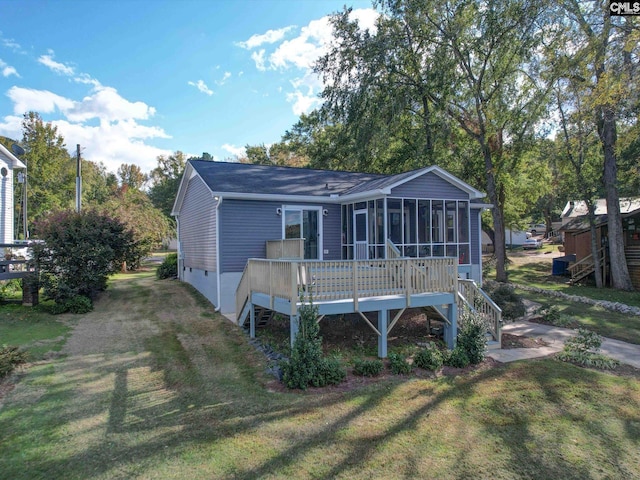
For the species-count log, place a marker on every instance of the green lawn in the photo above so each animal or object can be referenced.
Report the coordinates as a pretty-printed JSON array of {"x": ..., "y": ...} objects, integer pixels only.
[
  {"x": 538, "y": 274},
  {"x": 166, "y": 388},
  {"x": 34, "y": 329}
]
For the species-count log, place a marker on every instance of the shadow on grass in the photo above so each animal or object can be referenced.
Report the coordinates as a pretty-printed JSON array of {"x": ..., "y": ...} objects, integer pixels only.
[{"x": 194, "y": 392}]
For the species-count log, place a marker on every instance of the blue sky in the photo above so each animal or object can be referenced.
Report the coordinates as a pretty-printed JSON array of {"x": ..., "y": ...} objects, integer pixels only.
[{"x": 130, "y": 80}]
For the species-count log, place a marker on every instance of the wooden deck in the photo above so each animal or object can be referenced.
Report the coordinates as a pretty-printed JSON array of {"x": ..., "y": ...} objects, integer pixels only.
[{"x": 357, "y": 286}]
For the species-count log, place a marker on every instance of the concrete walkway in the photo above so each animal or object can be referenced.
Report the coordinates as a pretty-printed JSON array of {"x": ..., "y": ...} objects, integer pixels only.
[{"x": 555, "y": 337}]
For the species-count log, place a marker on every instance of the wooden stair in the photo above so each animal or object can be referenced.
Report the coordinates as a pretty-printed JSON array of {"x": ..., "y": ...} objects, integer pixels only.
[
  {"x": 263, "y": 317},
  {"x": 586, "y": 267}
]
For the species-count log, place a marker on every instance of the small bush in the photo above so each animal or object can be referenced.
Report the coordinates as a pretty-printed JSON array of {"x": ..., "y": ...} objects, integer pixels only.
[
  {"x": 457, "y": 358},
  {"x": 585, "y": 341},
  {"x": 472, "y": 337},
  {"x": 169, "y": 267},
  {"x": 330, "y": 372},
  {"x": 368, "y": 368},
  {"x": 583, "y": 350},
  {"x": 429, "y": 359},
  {"x": 588, "y": 359},
  {"x": 78, "y": 304},
  {"x": 10, "y": 357},
  {"x": 505, "y": 297},
  {"x": 550, "y": 314},
  {"x": 398, "y": 364}
]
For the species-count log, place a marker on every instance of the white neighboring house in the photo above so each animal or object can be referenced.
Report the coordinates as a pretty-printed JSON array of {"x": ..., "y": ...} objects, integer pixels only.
[{"x": 8, "y": 162}]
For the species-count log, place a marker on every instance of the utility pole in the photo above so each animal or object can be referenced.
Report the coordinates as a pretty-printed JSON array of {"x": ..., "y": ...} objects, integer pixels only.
[{"x": 78, "y": 181}]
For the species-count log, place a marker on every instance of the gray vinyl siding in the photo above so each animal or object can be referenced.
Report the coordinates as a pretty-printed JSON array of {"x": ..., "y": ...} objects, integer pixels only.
[
  {"x": 246, "y": 225},
  {"x": 475, "y": 236},
  {"x": 198, "y": 227},
  {"x": 332, "y": 235},
  {"x": 429, "y": 185}
]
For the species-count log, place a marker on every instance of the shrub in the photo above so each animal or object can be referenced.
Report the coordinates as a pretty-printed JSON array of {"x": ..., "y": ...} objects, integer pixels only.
[
  {"x": 505, "y": 297},
  {"x": 78, "y": 304},
  {"x": 367, "y": 368},
  {"x": 330, "y": 372},
  {"x": 10, "y": 357},
  {"x": 79, "y": 252},
  {"x": 472, "y": 337},
  {"x": 429, "y": 359},
  {"x": 583, "y": 349},
  {"x": 550, "y": 314},
  {"x": 457, "y": 358},
  {"x": 398, "y": 364},
  {"x": 307, "y": 365},
  {"x": 169, "y": 267}
]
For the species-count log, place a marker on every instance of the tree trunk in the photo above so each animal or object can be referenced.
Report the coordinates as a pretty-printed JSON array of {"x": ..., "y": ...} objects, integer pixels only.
[
  {"x": 620, "y": 278},
  {"x": 594, "y": 245},
  {"x": 499, "y": 247}
]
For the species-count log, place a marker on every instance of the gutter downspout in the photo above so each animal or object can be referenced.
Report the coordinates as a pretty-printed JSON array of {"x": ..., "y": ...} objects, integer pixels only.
[{"x": 218, "y": 252}]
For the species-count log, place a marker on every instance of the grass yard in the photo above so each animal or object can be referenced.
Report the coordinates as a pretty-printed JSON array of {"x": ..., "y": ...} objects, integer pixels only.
[{"x": 155, "y": 384}]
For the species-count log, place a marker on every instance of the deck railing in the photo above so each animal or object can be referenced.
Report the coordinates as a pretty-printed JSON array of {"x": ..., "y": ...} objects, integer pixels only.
[
  {"x": 392, "y": 250},
  {"x": 474, "y": 298},
  {"x": 287, "y": 248},
  {"x": 14, "y": 263},
  {"x": 345, "y": 279}
]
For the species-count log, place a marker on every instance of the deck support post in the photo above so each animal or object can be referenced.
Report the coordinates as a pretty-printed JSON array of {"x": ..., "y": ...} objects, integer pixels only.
[
  {"x": 293, "y": 328},
  {"x": 451, "y": 327},
  {"x": 252, "y": 321},
  {"x": 383, "y": 322}
]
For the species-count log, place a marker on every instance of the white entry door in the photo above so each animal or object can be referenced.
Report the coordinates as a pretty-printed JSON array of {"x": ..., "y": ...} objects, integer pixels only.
[{"x": 361, "y": 237}]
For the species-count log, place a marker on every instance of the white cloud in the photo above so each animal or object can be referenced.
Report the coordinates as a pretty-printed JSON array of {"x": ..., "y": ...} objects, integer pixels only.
[
  {"x": 118, "y": 138},
  {"x": 10, "y": 43},
  {"x": 200, "y": 85},
  {"x": 258, "y": 57},
  {"x": 8, "y": 70},
  {"x": 61, "y": 68},
  {"x": 225, "y": 77},
  {"x": 43, "y": 101},
  {"x": 301, "y": 53},
  {"x": 271, "y": 36},
  {"x": 304, "y": 50},
  {"x": 106, "y": 104},
  {"x": 234, "y": 150}
]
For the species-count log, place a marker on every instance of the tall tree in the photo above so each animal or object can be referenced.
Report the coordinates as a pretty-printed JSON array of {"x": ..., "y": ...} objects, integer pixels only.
[
  {"x": 50, "y": 169},
  {"x": 165, "y": 181},
  {"x": 609, "y": 47},
  {"x": 472, "y": 61},
  {"x": 131, "y": 176}
]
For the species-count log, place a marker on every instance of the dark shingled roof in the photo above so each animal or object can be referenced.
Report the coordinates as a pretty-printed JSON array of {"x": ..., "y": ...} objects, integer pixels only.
[{"x": 266, "y": 179}]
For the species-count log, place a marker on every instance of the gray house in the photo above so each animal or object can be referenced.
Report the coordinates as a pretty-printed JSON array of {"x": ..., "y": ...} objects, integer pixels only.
[{"x": 332, "y": 233}]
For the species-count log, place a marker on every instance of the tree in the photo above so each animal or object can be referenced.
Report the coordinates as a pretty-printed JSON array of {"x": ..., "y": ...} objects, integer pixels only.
[
  {"x": 50, "y": 170},
  {"x": 279, "y": 154},
  {"x": 148, "y": 225},
  {"x": 608, "y": 47},
  {"x": 131, "y": 175},
  {"x": 165, "y": 181},
  {"x": 474, "y": 62}
]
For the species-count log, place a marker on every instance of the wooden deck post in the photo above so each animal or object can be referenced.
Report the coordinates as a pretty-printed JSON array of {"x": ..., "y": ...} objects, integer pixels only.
[
  {"x": 252, "y": 320},
  {"x": 383, "y": 322},
  {"x": 451, "y": 327},
  {"x": 293, "y": 328}
]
